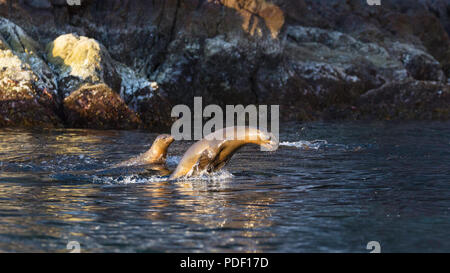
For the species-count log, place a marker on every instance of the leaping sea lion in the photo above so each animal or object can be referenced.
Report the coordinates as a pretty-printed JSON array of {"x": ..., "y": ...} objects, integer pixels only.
[
  {"x": 216, "y": 149},
  {"x": 157, "y": 153}
]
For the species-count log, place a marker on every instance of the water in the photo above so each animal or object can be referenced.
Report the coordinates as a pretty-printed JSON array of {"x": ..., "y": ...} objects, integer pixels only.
[{"x": 331, "y": 187}]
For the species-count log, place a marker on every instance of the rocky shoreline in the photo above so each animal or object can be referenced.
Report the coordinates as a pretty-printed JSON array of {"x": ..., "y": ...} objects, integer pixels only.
[{"x": 124, "y": 64}]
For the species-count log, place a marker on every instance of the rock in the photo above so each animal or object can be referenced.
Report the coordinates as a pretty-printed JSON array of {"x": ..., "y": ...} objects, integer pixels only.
[
  {"x": 327, "y": 71},
  {"x": 217, "y": 70},
  {"x": 98, "y": 107},
  {"x": 339, "y": 52},
  {"x": 429, "y": 34},
  {"x": 132, "y": 83},
  {"x": 441, "y": 9},
  {"x": 315, "y": 58},
  {"x": 27, "y": 91},
  {"x": 407, "y": 100},
  {"x": 80, "y": 60},
  {"x": 29, "y": 52},
  {"x": 254, "y": 13},
  {"x": 420, "y": 65},
  {"x": 144, "y": 97},
  {"x": 21, "y": 105},
  {"x": 154, "y": 109},
  {"x": 40, "y": 4}
]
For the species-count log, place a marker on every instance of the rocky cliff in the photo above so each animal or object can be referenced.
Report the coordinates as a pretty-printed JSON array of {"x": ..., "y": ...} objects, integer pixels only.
[{"x": 318, "y": 59}]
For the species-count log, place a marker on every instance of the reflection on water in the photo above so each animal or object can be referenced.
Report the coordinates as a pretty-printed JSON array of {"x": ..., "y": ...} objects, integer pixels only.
[{"x": 329, "y": 187}]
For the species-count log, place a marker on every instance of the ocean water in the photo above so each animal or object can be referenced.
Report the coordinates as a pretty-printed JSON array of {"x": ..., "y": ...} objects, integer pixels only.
[{"x": 330, "y": 187}]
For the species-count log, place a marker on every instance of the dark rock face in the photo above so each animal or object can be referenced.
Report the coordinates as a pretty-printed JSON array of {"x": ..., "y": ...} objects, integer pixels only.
[
  {"x": 407, "y": 100},
  {"x": 318, "y": 59}
]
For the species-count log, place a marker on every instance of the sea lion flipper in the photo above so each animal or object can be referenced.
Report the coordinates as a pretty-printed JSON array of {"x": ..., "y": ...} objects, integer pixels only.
[
  {"x": 221, "y": 159},
  {"x": 219, "y": 165},
  {"x": 205, "y": 160}
]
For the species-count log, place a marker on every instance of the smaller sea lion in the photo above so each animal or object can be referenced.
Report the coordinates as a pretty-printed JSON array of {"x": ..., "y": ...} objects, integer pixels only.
[
  {"x": 157, "y": 154},
  {"x": 215, "y": 150}
]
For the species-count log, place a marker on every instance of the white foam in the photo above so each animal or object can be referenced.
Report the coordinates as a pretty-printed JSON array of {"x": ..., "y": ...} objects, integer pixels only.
[
  {"x": 323, "y": 144},
  {"x": 306, "y": 145},
  {"x": 137, "y": 179},
  {"x": 205, "y": 176},
  {"x": 127, "y": 179}
]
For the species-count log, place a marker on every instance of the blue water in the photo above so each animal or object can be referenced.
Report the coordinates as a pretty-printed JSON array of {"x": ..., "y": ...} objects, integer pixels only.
[{"x": 331, "y": 187}]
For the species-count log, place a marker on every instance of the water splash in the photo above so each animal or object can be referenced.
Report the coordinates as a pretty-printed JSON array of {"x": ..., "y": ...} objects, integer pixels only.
[
  {"x": 205, "y": 176},
  {"x": 139, "y": 179},
  {"x": 323, "y": 144},
  {"x": 127, "y": 179},
  {"x": 306, "y": 145}
]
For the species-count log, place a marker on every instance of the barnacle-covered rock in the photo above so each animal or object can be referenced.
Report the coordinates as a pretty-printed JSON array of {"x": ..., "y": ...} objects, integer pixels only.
[
  {"x": 98, "y": 107},
  {"x": 27, "y": 88}
]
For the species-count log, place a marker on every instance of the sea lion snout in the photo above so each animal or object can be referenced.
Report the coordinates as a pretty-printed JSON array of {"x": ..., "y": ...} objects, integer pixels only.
[
  {"x": 165, "y": 138},
  {"x": 269, "y": 142}
]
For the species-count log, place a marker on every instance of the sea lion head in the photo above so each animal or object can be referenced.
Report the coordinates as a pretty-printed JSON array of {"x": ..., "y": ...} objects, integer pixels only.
[
  {"x": 163, "y": 140},
  {"x": 245, "y": 135},
  {"x": 158, "y": 152},
  {"x": 267, "y": 140}
]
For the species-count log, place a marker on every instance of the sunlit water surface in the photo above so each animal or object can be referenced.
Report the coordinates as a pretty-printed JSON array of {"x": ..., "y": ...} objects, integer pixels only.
[{"x": 330, "y": 187}]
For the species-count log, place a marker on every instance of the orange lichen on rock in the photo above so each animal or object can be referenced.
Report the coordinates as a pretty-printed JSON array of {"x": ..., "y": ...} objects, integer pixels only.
[{"x": 252, "y": 11}]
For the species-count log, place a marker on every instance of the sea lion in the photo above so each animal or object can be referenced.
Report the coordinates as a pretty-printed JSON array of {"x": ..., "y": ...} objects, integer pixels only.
[
  {"x": 215, "y": 150},
  {"x": 157, "y": 153}
]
